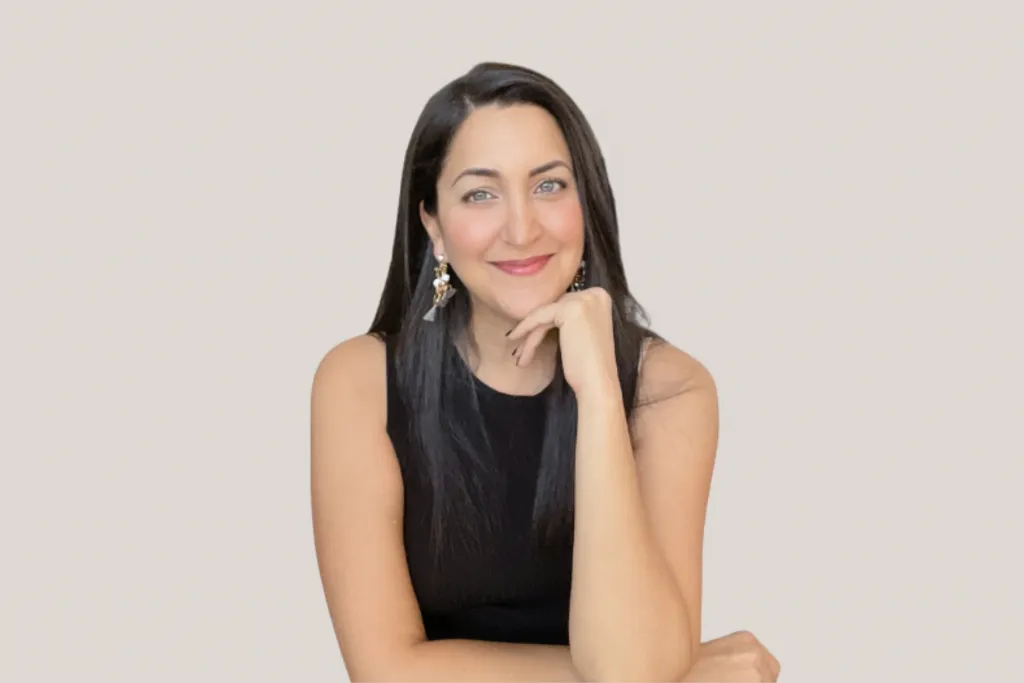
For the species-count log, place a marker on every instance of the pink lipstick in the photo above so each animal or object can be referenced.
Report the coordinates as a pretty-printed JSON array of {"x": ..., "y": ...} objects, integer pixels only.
[{"x": 524, "y": 266}]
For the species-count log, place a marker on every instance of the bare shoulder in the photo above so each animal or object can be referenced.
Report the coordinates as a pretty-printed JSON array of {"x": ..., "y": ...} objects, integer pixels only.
[
  {"x": 676, "y": 401},
  {"x": 667, "y": 371},
  {"x": 348, "y": 415},
  {"x": 357, "y": 362}
]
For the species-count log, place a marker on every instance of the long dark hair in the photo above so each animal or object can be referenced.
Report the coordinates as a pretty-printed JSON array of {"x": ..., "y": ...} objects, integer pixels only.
[{"x": 431, "y": 378}]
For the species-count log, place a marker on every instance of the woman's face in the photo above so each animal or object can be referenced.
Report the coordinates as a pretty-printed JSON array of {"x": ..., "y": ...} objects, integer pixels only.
[{"x": 509, "y": 219}]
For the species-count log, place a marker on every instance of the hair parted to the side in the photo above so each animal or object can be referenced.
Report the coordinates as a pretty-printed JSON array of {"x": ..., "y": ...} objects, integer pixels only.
[{"x": 433, "y": 381}]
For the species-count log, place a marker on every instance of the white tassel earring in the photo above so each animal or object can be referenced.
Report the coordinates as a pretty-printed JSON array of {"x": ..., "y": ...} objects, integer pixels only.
[{"x": 443, "y": 292}]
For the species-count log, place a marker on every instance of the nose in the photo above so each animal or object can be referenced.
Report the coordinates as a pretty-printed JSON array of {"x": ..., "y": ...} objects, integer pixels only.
[{"x": 522, "y": 226}]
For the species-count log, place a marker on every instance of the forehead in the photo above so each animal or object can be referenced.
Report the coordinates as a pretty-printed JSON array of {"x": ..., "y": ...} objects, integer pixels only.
[{"x": 509, "y": 138}]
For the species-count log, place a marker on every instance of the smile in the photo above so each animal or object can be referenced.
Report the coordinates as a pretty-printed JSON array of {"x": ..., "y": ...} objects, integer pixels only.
[{"x": 525, "y": 266}]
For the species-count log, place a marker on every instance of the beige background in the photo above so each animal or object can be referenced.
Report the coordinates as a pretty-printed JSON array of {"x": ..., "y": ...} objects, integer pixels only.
[{"x": 821, "y": 201}]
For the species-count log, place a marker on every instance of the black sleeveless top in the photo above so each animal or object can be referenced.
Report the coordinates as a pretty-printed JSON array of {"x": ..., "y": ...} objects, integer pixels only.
[{"x": 511, "y": 590}]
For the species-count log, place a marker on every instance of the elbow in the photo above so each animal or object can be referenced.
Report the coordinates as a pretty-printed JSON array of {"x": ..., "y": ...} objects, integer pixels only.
[
  {"x": 380, "y": 669},
  {"x": 369, "y": 673},
  {"x": 666, "y": 654},
  {"x": 644, "y": 664},
  {"x": 375, "y": 674},
  {"x": 631, "y": 672}
]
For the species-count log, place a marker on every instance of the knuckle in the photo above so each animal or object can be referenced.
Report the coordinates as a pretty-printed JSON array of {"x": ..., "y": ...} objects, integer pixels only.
[
  {"x": 597, "y": 297},
  {"x": 746, "y": 637}
]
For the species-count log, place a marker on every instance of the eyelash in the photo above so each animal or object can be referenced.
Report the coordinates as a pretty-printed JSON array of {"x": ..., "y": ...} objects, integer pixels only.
[{"x": 468, "y": 197}]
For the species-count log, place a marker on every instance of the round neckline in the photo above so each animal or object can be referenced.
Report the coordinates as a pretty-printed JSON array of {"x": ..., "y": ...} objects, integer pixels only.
[
  {"x": 486, "y": 388},
  {"x": 504, "y": 395}
]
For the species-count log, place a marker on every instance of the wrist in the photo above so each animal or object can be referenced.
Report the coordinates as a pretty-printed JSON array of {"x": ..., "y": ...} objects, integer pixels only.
[{"x": 600, "y": 392}]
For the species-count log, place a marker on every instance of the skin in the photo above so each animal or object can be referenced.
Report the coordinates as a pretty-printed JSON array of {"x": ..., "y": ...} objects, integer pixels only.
[
  {"x": 510, "y": 215},
  {"x": 738, "y": 656},
  {"x": 642, "y": 488}
]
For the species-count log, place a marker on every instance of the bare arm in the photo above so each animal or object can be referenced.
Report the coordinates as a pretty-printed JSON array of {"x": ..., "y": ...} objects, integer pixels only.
[
  {"x": 357, "y": 495},
  {"x": 635, "y": 610},
  {"x": 475, "y": 660}
]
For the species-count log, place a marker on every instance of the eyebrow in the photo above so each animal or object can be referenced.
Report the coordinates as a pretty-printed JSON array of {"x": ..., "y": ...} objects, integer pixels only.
[{"x": 491, "y": 173}]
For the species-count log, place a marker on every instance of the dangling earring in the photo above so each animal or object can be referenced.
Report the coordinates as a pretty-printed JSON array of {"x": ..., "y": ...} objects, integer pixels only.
[
  {"x": 443, "y": 292},
  {"x": 579, "y": 282}
]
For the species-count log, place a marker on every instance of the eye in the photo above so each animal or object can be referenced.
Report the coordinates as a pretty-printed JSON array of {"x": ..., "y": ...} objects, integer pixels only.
[
  {"x": 552, "y": 185},
  {"x": 476, "y": 196}
]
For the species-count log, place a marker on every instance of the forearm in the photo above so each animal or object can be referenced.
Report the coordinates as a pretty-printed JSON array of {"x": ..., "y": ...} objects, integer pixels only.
[
  {"x": 475, "y": 660},
  {"x": 627, "y": 617}
]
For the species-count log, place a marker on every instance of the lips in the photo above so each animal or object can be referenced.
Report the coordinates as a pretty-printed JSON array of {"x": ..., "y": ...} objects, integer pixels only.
[{"x": 523, "y": 266}]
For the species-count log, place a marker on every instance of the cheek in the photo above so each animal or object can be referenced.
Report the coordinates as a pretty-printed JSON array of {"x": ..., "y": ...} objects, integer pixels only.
[
  {"x": 469, "y": 233},
  {"x": 563, "y": 220}
]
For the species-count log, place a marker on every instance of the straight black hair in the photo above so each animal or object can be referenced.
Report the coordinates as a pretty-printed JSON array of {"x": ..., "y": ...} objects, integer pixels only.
[{"x": 433, "y": 381}]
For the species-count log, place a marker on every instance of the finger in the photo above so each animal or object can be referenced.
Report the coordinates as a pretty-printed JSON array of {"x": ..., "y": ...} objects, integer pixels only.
[
  {"x": 545, "y": 315},
  {"x": 766, "y": 669},
  {"x": 526, "y": 350},
  {"x": 771, "y": 664},
  {"x": 758, "y": 669},
  {"x": 732, "y": 642}
]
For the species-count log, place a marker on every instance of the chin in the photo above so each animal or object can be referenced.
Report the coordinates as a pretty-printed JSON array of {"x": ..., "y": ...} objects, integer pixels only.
[{"x": 522, "y": 305}]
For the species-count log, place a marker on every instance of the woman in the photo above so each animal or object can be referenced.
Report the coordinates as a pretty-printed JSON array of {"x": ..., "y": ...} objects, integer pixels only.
[{"x": 510, "y": 471}]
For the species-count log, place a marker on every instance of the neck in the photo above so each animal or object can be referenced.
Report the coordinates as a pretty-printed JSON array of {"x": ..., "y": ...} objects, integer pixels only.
[{"x": 489, "y": 353}]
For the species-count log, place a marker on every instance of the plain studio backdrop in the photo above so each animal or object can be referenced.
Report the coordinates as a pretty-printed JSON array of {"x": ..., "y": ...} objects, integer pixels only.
[{"x": 820, "y": 201}]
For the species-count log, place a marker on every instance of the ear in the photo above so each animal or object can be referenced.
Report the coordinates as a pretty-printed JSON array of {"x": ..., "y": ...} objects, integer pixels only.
[{"x": 432, "y": 228}]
